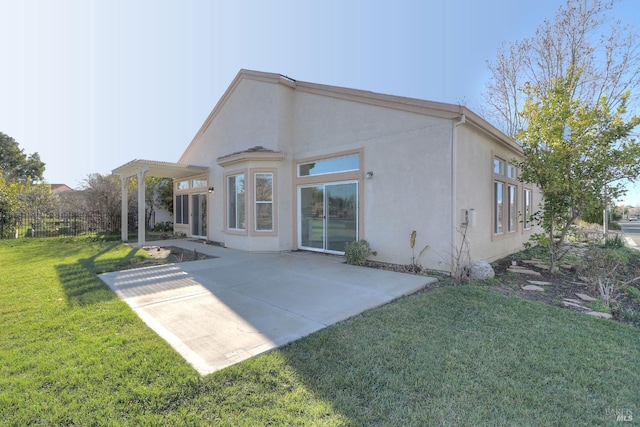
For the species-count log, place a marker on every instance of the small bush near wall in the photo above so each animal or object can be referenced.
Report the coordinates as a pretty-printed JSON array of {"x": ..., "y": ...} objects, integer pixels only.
[
  {"x": 163, "y": 226},
  {"x": 357, "y": 253}
]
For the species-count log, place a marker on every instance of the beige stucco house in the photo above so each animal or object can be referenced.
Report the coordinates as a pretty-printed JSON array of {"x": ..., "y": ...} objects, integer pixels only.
[{"x": 282, "y": 165}]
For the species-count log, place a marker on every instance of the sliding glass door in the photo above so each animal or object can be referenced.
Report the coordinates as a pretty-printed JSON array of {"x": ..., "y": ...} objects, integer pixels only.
[
  {"x": 199, "y": 215},
  {"x": 328, "y": 216}
]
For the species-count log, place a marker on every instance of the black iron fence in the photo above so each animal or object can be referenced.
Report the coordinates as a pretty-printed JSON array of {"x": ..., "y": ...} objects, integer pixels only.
[{"x": 65, "y": 224}]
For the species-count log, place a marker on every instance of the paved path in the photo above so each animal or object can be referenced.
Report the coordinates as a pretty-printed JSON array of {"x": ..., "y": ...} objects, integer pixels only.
[{"x": 221, "y": 311}]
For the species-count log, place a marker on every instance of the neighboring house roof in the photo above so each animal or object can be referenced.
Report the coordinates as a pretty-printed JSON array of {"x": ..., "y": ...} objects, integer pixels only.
[
  {"x": 60, "y": 188},
  {"x": 431, "y": 108}
]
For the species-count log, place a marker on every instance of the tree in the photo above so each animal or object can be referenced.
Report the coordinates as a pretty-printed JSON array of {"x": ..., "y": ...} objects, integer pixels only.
[
  {"x": 576, "y": 153},
  {"x": 158, "y": 192},
  {"x": 36, "y": 200},
  {"x": 102, "y": 193},
  {"x": 16, "y": 165},
  {"x": 581, "y": 37}
]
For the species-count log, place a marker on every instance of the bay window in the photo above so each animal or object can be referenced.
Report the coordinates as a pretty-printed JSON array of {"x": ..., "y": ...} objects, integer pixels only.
[
  {"x": 263, "y": 195},
  {"x": 236, "y": 202}
]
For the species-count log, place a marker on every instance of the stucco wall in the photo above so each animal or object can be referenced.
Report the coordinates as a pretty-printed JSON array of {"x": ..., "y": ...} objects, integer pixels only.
[
  {"x": 410, "y": 157},
  {"x": 408, "y": 150},
  {"x": 252, "y": 115},
  {"x": 475, "y": 178}
]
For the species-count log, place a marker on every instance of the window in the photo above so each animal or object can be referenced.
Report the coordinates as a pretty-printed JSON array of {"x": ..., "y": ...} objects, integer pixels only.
[
  {"x": 183, "y": 185},
  {"x": 527, "y": 209},
  {"x": 333, "y": 165},
  {"x": 182, "y": 209},
  {"x": 498, "y": 226},
  {"x": 505, "y": 197},
  {"x": 263, "y": 201},
  {"x": 511, "y": 213},
  {"x": 236, "y": 202},
  {"x": 198, "y": 183}
]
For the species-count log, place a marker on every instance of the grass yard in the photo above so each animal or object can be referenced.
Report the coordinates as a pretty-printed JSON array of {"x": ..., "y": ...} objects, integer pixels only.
[{"x": 71, "y": 353}]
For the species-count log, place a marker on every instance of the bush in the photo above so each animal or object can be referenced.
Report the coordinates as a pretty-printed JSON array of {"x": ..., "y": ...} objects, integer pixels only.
[
  {"x": 631, "y": 316},
  {"x": 163, "y": 226},
  {"x": 356, "y": 253},
  {"x": 614, "y": 241}
]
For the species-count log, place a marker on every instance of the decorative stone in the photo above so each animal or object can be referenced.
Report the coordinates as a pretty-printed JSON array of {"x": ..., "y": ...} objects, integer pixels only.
[
  {"x": 481, "y": 270},
  {"x": 575, "y": 301},
  {"x": 523, "y": 271},
  {"x": 585, "y": 297},
  {"x": 538, "y": 283},
  {"x": 571, "y": 304},
  {"x": 532, "y": 288},
  {"x": 599, "y": 314}
]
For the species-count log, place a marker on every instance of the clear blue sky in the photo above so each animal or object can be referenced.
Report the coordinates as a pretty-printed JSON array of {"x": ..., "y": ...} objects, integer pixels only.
[{"x": 93, "y": 84}]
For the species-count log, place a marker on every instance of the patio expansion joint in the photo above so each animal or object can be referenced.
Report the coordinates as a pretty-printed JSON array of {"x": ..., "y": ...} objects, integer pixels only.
[{"x": 173, "y": 299}]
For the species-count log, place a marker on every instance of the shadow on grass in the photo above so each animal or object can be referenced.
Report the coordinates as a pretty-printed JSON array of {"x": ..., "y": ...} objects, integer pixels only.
[
  {"x": 80, "y": 282},
  {"x": 467, "y": 356}
]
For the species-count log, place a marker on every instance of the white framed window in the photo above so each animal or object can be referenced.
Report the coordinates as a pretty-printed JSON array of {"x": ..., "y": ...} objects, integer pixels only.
[
  {"x": 236, "y": 213},
  {"x": 498, "y": 207},
  {"x": 338, "y": 164},
  {"x": 511, "y": 208},
  {"x": 198, "y": 183},
  {"x": 182, "y": 209},
  {"x": 527, "y": 209},
  {"x": 505, "y": 197},
  {"x": 183, "y": 185},
  {"x": 263, "y": 201}
]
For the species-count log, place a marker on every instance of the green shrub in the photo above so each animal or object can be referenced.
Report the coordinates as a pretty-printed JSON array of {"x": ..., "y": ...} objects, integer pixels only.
[
  {"x": 631, "y": 291},
  {"x": 163, "y": 226},
  {"x": 356, "y": 253},
  {"x": 614, "y": 241},
  {"x": 630, "y": 315}
]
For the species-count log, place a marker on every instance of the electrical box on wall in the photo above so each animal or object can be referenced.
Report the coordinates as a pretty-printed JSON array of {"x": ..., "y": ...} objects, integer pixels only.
[{"x": 468, "y": 217}]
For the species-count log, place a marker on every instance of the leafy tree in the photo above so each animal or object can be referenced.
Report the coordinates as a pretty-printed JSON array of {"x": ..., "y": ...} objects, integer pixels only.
[
  {"x": 581, "y": 37},
  {"x": 35, "y": 200},
  {"x": 158, "y": 192},
  {"x": 8, "y": 197},
  {"x": 576, "y": 153},
  {"x": 102, "y": 193},
  {"x": 16, "y": 165}
]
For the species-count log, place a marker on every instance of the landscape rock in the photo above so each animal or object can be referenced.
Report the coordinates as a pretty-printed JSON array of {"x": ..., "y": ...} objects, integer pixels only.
[
  {"x": 571, "y": 304},
  {"x": 538, "y": 282},
  {"x": 585, "y": 297},
  {"x": 532, "y": 288},
  {"x": 521, "y": 270},
  {"x": 481, "y": 270},
  {"x": 599, "y": 314}
]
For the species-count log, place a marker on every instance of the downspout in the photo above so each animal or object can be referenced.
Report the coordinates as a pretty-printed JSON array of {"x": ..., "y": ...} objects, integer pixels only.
[{"x": 454, "y": 181}]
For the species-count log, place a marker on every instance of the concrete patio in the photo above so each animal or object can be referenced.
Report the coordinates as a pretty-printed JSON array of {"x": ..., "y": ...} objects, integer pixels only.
[{"x": 223, "y": 310}]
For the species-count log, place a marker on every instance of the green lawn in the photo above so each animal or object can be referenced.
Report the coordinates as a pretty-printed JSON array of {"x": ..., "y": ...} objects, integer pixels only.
[{"x": 72, "y": 353}]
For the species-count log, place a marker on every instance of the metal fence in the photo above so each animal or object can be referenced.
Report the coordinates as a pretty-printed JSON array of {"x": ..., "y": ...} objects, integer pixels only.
[{"x": 66, "y": 224}]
